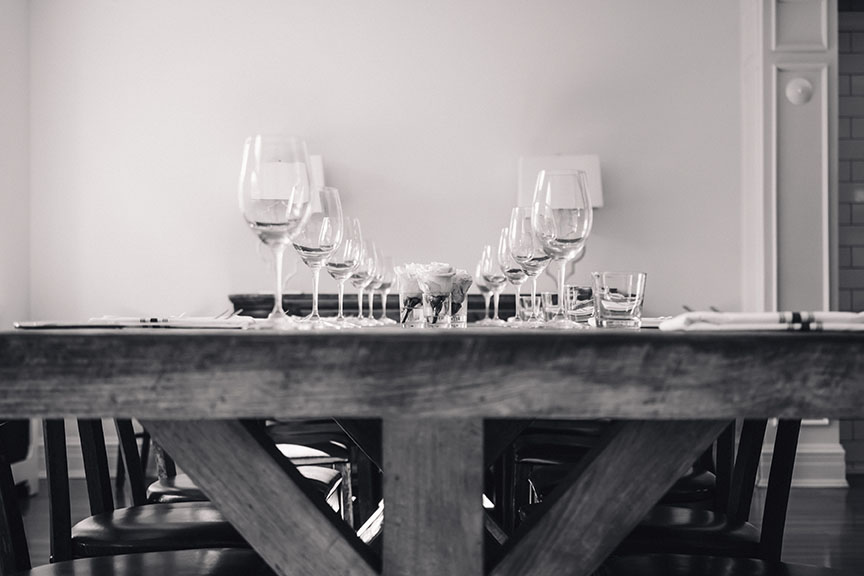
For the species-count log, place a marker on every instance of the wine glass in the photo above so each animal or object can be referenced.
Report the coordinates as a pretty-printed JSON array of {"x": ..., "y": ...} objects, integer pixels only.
[
  {"x": 363, "y": 276},
  {"x": 495, "y": 280},
  {"x": 342, "y": 262},
  {"x": 388, "y": 276},
  {"x": 484, "y": 291},
  {"x": 528, "y": 252},
  {"x": 275, "y": 201},
  {"x": 512, "y": 270},
  {"x": 316, "y": 241},
  {"x": 561, "y": 217}
]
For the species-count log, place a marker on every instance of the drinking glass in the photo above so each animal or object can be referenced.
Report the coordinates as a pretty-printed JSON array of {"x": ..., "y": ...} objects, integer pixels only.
[
  {"x": 275, "y": 201},
  {"x": 363, "y": 276},
  {"x": 528, "y": 252},
  {"x": 561, "y": 217},
  {"x": 388, "y": 276},
  {"x": 375, "y": 284},
  {"x": 317, "y": 241},
  {"x": 494, "y": 277},
  {"x": 342, "y": 262},
  {"x": 579, "y": 302},
  {"x": 484, "y": 291},
  {"x": 618, "y": 299},
  {"x": 514, "y": 273}
]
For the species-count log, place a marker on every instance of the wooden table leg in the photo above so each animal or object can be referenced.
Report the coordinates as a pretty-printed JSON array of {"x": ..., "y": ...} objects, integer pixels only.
[
  {"x": 264, "y": 497},
  {"x": 615, "y": 485},
  {"x": 433, "y": 485}
]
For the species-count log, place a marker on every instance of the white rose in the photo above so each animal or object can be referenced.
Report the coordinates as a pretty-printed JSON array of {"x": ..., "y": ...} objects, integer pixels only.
[
  {"x": 407, "y": 277},
  {"x": 461, "y": 283},
  {"x": 437, "y": 278}
]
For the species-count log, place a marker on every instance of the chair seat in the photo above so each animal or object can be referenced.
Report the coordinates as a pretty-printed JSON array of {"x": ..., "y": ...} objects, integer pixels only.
[
  {"x": 181, "y": 488},
  {"x": 680, "y": 565},
  {"x": 154, "y": 527},
  {"x": 680, "y": 530},
  {"x": 210, "y": 562}
]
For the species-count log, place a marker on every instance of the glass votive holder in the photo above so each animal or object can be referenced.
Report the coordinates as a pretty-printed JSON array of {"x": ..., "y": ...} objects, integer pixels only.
[
  {"x": 618, "y": 299},
  {"x": 411, "y": 310},
  {"x": 579, "y": 303},
  {"x": 436, "y": 309},
  {"x": 550, "y": 305},
  {"x": 459, "y": 312},
  {"x": 530, "y": 307}
]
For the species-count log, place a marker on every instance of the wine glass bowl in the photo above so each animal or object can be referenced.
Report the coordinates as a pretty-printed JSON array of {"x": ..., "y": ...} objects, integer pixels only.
[{"x": 275, "y": 201}]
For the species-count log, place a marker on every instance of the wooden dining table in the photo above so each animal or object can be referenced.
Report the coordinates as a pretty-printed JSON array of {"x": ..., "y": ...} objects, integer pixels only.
[{"x": 669, "y": 393}]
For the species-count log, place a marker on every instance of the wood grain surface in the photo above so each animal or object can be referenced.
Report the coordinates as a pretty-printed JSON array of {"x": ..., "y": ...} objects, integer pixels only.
[
  {"x": 258, "y": 494},
  {"x": 455, "y": 373},
  {"x": 433, "y": 481},
  {"x": 613, "y": 488}
]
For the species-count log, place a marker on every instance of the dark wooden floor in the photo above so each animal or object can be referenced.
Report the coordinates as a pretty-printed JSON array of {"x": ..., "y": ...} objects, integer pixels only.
[{"x": 825, "y": 527}]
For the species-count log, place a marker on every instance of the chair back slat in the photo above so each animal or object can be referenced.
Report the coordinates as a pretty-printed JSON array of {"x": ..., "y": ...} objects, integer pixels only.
[
  {"x": 132, "y": 460},
  {"x": 14, "y": 556},
  {"x": 96, "y": 466},
  {"x": 745, "y": 471},
  {"x": 724, "y": 464},
  {"x": 779, "y": 486},
  {"x": 59, "y": 507}
]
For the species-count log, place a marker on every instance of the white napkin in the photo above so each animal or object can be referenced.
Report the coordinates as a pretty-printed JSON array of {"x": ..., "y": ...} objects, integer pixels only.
[
  {"x": 796, "y": 321},
  {"x": 174, "y": 322}
]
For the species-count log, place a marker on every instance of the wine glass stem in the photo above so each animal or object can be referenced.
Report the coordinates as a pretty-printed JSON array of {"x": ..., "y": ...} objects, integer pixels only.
[
  {"x": 341, "y": 316},
  {"x": 371, "y": 304},
  {"x": 486, "y": 297},
  {"x": 535, "y": 312},
  {"x": 562, "y": 273},
  {"x": 518, "y": 300},
  {"x": 360, "y": 303},
  {"x": 496, "y": 295},
  {"x": 316, "y": 276},
  {"x": 278, "y": 252},
  {"x": 384, "y": 304}
]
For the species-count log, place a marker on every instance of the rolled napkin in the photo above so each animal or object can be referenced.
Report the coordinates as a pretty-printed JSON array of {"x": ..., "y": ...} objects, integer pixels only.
[{"x": 794, "y": 321}]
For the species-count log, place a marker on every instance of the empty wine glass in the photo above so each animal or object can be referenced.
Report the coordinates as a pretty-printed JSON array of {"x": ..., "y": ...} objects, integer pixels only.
[
  {"x": 561, "y": 217},
  {"x": 316, "y": 241},
  {"x": 388, "y": 276},
  {"x": 342, "y": 262},
  {"x": 362, "y": 276},
  {"x": 495, "y": 280},
  {"x": 275, "y": 201},
  {"x": 514, "y": 273},
  {"x": 374, "y": 285},
  {"x": 484, "y": 290},
  {"x": 528, "y": 252}
]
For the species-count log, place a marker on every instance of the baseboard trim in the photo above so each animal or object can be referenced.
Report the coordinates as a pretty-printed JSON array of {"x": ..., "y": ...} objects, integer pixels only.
[{"x": 816, "y": 466}]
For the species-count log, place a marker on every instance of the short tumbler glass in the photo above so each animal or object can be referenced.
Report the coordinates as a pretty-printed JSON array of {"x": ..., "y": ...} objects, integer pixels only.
[
  {"x": 618, "y": 299},
  {"x": 579, "y": 303}
]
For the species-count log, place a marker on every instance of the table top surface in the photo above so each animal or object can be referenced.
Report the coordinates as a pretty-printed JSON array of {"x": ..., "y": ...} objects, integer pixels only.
[{"x": 392, "y": 372}]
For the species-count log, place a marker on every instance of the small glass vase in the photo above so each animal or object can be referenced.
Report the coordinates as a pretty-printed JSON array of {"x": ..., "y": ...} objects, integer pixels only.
[
  {"x": 459, "y": 312},
  {"x": 411, "y": 310},
  {"x": 436, "y": 309}
]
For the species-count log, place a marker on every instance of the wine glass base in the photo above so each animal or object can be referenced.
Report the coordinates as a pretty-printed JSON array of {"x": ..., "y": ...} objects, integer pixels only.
[
  {"x": 484, "y": 322},
  {"x": 564, "y": 324},
  {"x": 317, "y": 323},
  {"x": 386, "y": 321},
  {"x": 366, "y": 322},
  {"x": 496, "y": 322},
  {"x": 275, "y": 323},
  {"x": 344, "y": 323}
]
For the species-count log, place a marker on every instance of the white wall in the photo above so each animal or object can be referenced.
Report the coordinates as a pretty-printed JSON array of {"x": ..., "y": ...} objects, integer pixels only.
[
  {"x": 139, "y": 110},
  {"x": 14, "y": 166}
]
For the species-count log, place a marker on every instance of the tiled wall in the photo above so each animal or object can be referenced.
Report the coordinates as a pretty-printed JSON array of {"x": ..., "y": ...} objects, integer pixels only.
[{"x": 851, "y": 215}]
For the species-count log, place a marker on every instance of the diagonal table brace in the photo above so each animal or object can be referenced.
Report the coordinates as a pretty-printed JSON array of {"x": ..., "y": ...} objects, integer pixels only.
[
  {"x": 262, "y": 497},
  {"x": 586, "y": 520}
]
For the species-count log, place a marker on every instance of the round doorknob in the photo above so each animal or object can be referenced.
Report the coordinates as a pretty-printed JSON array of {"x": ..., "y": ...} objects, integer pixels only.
[{"x": 799, "y": 91}]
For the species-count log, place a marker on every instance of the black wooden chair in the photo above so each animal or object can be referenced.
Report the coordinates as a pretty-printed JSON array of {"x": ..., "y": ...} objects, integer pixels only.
[
  {"x": 110, "y": 531},
  {"x": 15, "y": 555},
  {"x": 727, "y": 530}
]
